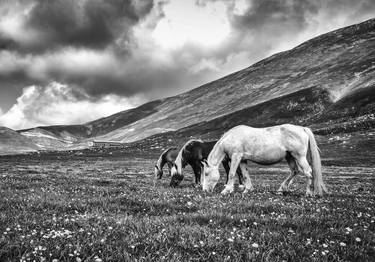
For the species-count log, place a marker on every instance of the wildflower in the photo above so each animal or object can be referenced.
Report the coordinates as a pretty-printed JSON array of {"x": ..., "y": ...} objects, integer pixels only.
[
  {"x": 97, "y": 259},
  {"x": 255, "y": 245},
  {"x": 342, "y": 244},
  {"x": 357, "y": 239},
  {"x": 325, "y": 245},
  {"x": 230, "y": 239},
  {"x": 78, "y": 259}
]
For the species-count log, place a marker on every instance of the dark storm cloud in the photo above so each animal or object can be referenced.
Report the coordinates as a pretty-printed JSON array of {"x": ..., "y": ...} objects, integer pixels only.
[
  {"x": 91, "y": 24},
  {"x": 90, "y": 44}
]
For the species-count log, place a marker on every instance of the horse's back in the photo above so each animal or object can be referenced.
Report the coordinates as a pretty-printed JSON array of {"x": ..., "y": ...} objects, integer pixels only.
[{"x": 284, "y": 137}]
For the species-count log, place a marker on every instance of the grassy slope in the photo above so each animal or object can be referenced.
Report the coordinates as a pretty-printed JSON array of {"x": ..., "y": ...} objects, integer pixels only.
[
  {"x": 340, "y": 62},
  {"x": 12, "y": 142},
  {"x": 96, "y": 208}
]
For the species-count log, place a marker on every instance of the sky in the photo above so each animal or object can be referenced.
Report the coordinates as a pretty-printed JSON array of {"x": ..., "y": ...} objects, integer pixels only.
[{"x": 73, "y": 61}]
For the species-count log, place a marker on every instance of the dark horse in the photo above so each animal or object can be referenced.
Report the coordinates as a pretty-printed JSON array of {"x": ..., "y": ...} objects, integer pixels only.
[
  {"x": 167, "y": 157},
  {"x": 193, "y": 153}
]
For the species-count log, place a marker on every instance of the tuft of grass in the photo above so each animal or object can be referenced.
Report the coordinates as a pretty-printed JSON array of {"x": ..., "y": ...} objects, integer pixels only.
[{"x": 100, "y": 209}]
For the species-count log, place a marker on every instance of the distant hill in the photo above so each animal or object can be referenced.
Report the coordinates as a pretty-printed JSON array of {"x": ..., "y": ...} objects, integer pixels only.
[
  {"x": 12, "y": 142},
  {"x": 327, "y": 83}
]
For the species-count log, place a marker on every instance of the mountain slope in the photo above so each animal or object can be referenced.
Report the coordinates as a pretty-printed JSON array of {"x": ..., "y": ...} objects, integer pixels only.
[
  {"x": 340, "y": 62},
  {"x": 337, "y": 69},
  {"x": 12, "y": 142}
]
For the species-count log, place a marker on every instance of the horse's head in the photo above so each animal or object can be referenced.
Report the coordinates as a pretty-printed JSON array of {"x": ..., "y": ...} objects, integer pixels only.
[
  {"x": 210, "y": 176},
  {"x": 176, "y": 176},
  {"x": 158, "y": 172}
]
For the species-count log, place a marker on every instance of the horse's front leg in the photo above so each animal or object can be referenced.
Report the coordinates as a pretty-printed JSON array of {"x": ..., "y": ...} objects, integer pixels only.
[
  {"x": 170, "y": 165},
  {"x": 235, "y": 161},
  {"x": 248, "y": 185},
  {"x": 197, "y": 169}
]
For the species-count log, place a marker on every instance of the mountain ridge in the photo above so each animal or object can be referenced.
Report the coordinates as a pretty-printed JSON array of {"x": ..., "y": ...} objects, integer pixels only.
[{"x": 340, "y": 62}]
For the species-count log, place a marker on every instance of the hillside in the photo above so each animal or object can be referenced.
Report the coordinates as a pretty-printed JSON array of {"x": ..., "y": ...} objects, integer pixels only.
[
  {"x": 12, "y": 142},
  {"x": 325, "y": 82}
]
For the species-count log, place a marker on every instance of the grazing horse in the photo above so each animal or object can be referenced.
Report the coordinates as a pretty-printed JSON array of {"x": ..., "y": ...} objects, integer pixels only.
[
  {"x": 167, "y": 157},
  {"x": 265, "y": 146},
  {"x": 193, "y": 153}
]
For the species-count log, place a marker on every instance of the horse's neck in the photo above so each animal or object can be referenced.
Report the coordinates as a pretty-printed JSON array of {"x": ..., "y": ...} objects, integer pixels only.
[
  {"x": 217, "y": 155},
  {"x": 178, "y": 162}
]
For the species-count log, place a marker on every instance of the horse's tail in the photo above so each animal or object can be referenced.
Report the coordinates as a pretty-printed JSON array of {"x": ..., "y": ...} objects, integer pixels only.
[{"x": 319, "y": 186}]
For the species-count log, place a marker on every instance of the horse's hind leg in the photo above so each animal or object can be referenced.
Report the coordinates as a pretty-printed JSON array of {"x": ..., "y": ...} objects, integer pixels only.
[
  {"x": 284, "y": 187},
  {"x": 306, "y": 170},
  {"x": 245, "y": 172},
  {"x": 235, "y": 161}
]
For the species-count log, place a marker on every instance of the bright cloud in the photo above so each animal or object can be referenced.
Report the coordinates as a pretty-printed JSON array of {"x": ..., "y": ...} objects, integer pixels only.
[
  {"x": 186, "y": 22},
  {"x": 108, "y": 52},
  {"x": 58, "y": 104}
]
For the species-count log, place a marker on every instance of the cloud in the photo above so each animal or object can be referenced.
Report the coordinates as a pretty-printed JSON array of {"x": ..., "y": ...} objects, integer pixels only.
[
  {"x": 57, "y": 104},
  {"x": 38, "y": 25},
  {"x": 144, "y": 49}
]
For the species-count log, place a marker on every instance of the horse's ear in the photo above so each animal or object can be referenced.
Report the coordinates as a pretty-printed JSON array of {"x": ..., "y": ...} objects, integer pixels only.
[{"x": 204, "y": 163}]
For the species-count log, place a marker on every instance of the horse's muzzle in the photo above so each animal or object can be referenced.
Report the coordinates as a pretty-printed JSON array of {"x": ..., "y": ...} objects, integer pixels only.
[{"x": 176, "y": 180}]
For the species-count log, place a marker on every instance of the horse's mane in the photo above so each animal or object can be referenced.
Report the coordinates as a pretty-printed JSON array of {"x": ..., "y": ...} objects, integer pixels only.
[
  {"x": 167, "y": 150},
  {"x": 190, "y": 143},
  {"x": 161, "y": 157},
  {"x": 179, "y": 156}
]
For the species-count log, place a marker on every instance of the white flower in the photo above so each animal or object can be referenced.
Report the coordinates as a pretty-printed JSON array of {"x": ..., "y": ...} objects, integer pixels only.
[
  {"x": 325, "y": 245},
  {"x": 255, "y": 245},
  {"x": 357, "y": 239},
  {"x": 342, "y": 244},
  {"x": 97, "y": 259},
  {"x": 230, "y": 239}
]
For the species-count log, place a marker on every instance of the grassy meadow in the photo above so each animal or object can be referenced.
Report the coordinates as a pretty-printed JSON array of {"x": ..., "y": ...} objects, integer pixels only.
[{"x": 106, "y": 209}]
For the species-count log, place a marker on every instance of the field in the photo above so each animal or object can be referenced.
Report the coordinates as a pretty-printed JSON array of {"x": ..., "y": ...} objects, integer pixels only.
[{"x": 106, "y": 209}]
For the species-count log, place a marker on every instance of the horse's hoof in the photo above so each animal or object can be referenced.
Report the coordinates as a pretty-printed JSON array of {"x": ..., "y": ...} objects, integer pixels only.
[{"x": 226, "y": 192}]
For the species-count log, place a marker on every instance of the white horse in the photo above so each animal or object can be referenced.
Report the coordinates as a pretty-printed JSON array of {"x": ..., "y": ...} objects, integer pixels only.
[{"x": 265, "y": 146}]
